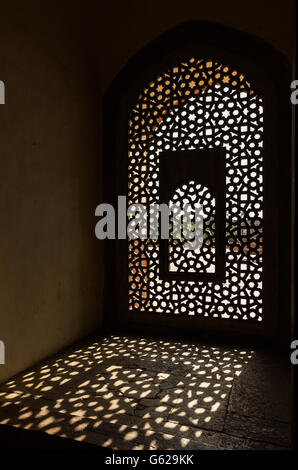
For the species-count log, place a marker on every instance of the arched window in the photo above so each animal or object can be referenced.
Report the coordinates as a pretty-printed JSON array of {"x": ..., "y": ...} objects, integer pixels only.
[
  {"x": 198, "y": 104},
  {"x": 197, "y": 123}
]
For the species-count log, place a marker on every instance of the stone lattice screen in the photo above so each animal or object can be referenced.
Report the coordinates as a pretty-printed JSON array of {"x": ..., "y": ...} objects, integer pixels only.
[{"x": 196, "y": 105}]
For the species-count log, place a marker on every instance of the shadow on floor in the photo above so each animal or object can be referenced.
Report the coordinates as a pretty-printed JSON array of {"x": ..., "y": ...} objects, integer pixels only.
[
  {"x": 125, "y": 392},
  {"x": 16, "y": 438}
]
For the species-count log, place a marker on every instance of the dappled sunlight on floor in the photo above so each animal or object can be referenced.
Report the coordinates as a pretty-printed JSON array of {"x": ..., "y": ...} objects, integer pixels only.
[{"x": 132, "y": 393}]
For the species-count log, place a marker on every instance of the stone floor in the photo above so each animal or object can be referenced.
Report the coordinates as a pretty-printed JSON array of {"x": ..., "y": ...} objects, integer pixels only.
[{"x": 135, "y": 393}]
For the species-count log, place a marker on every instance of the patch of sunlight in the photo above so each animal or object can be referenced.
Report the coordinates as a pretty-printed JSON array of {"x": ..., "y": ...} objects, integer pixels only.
[
  {"x": 64, "y": 381},
  {"x": 200, "y": 411},
  {"x": 97, "y": 424},
  {"x": 54, "y": 430},
  {"x": 29, "y": 426},
  {"x": 109, "y": 415},
  {"x": 3, "y": 405},
  {"x": 229, "y": 379},
  {"x": 165, "y": 398},
  {"x": 114, "y": 405},
  {"x": 177, "y": 401},
  {"x": 92, "y": 403},
  {"x": 138, "y": 447},
  {"x": 81, "y": 427},
  {"x": 11, "y": 383},
  {"x": 44, "y": 411},
  {"x": 4, "y": 421},
  {"x": 215, "y": 407},
  {"x": 170, "y": 425},
  {"x": 161, "y": 409},
  {"x": 123, "y": 427},
  {"x": 158, "y": 420},
  {"x": 46, "y": 422},
  {"x": 113, "y": 421},
  {"x": 153, "y": 444},
  {"x": 205, "y": 384},
  {"x": 131, "y": 435},
  {"x": 53, "y": 379},
  {"x": 163, "y": 375},
  {"x": 168, "y": 437},
  {"x": 10, "y": 396},
  {"x": 184, "y": 442},
  {"x": 192, "y": 403},
  {"x": 119, "y": 382},
  {"x": 80, "y": 413},
  {"x": 30, "y": 385},
  {"x": 87, "y": 382},
  {"x": 26, "y": 415},
  {"x": 29, "y": 374},
  {"x": 147, "y": 426},
  {"x": 113, "y": 368}
]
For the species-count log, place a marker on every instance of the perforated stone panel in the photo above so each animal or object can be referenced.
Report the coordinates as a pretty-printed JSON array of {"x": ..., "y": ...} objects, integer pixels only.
[
  {"x": 201, "y": 258},
  {"x": 195, "y": 105}
]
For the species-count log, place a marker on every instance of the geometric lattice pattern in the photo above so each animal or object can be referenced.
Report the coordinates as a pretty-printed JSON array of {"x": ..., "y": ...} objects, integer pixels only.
[
  {"x": 202, "y": 257},
  {"x": 200, "y": 104}
]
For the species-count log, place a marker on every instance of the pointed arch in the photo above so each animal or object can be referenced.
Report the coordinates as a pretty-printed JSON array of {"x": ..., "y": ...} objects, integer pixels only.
[{"x": 269, "y": 72}]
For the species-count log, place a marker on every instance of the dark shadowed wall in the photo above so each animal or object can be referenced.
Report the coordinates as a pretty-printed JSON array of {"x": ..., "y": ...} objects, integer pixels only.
[{"x": 51, "y": 277}]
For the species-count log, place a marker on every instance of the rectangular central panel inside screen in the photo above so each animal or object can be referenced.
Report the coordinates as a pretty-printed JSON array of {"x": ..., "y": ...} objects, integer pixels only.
[{"x": 195, "y": 178}]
